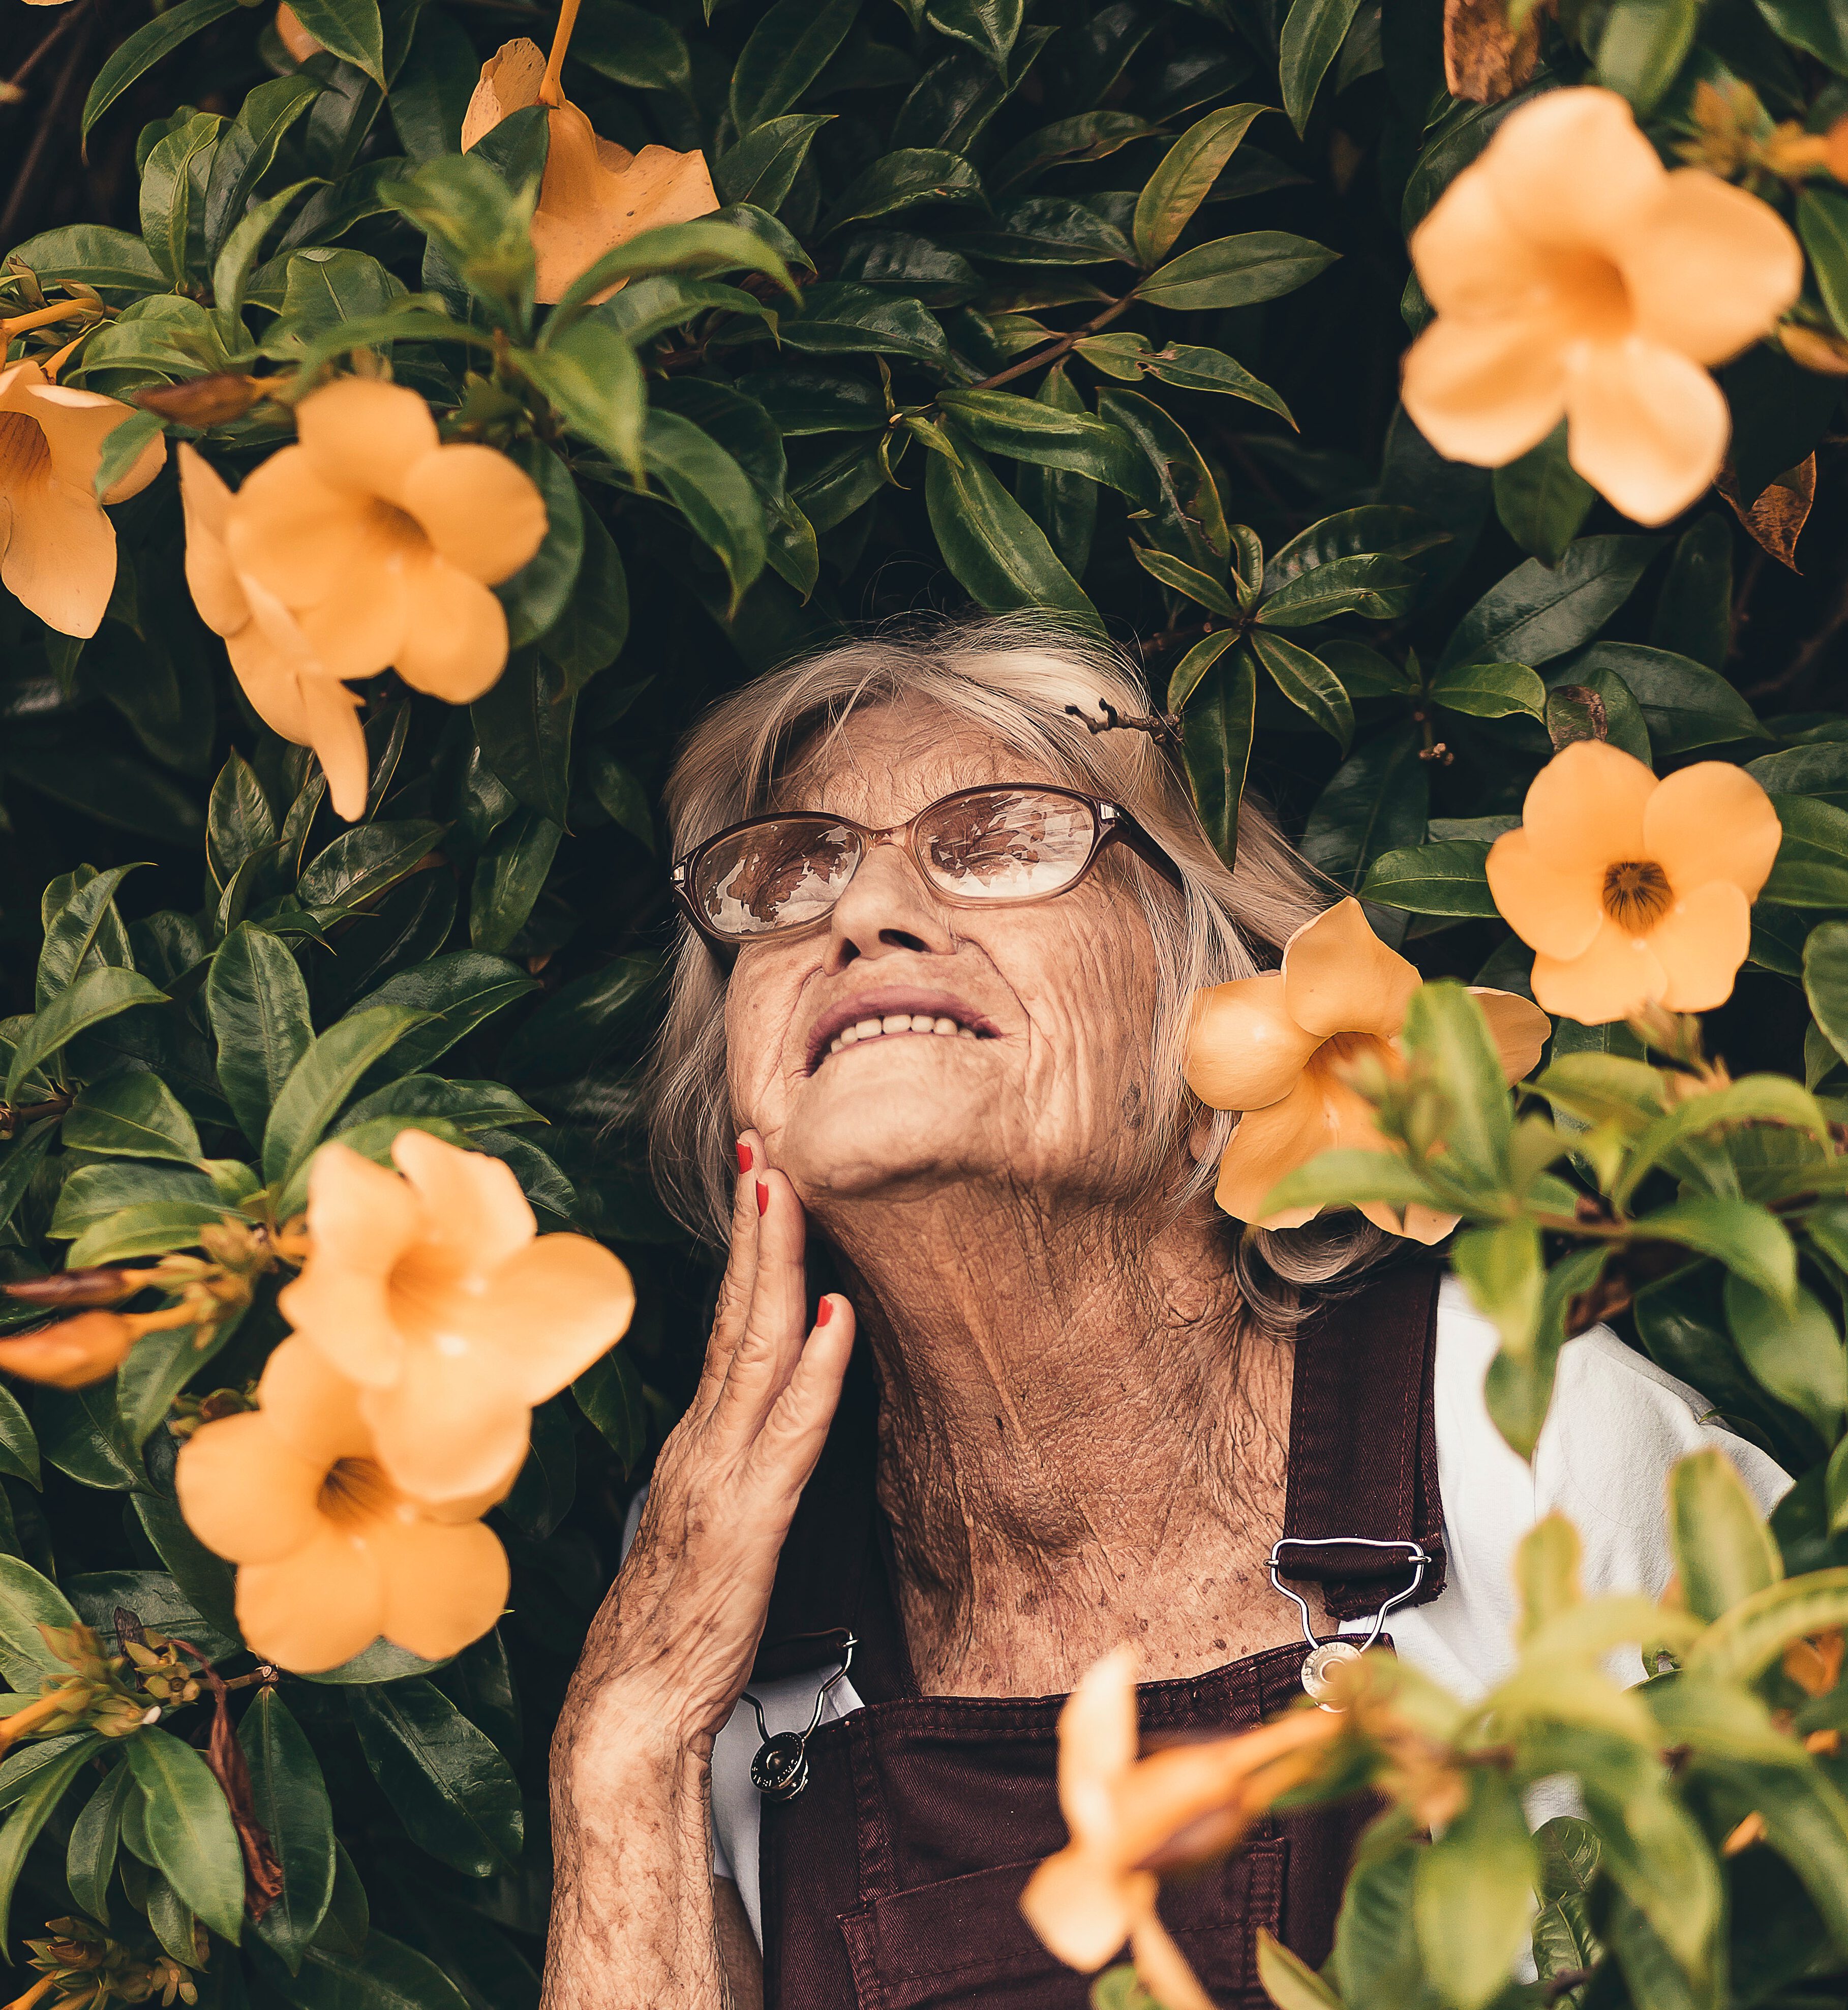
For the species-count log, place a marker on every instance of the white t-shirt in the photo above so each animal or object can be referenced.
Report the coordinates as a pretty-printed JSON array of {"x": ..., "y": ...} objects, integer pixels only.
[{"x": 1617, "y": 1424}]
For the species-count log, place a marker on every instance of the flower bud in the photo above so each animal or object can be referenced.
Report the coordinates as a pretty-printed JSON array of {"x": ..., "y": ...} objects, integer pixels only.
[
  {"x": 107, "y": 1286},
  {"x": 202, "y": 401},
  {"x": 73, "y": 1353}
]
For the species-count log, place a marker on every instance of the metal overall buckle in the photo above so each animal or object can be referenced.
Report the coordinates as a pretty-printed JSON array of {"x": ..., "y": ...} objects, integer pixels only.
[
  {"x": 1324, "y": 1654},
  {"x": 780, "y": 1770}
]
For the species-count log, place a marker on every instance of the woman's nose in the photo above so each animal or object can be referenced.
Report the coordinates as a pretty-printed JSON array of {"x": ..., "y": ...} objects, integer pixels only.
[{"x": 887, "y": 907}]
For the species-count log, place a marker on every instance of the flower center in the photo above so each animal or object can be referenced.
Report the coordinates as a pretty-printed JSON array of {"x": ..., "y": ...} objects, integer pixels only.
[
  {"x": 396, "y": 530},
  {"x": 24, "y": 454},
  {"x": 1598, "y": 297},
  {"x": 1637, "y": 894},
  {"x": 355, "y": 1490}
]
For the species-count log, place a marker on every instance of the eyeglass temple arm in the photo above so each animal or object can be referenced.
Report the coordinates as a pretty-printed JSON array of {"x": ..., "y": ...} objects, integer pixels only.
[{"x": 1147, "y": 849}]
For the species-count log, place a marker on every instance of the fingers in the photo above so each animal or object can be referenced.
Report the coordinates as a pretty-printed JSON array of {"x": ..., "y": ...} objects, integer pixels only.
[
  {"x": 766, "y": 1354},
  {"x": 740, "y": 1274},
  {"x": 797, "y": 1426}
]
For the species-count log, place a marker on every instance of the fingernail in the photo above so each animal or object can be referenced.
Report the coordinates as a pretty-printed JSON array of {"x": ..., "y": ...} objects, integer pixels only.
[
  {"x": 744, "y": 1157},
  {"x": 824, "y": 1313},
  {"x": 763, "y": 1198}
]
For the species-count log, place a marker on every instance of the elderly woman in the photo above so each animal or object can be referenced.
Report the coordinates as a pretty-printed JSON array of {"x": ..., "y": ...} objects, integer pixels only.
[{"x": 927, "y": 1033}]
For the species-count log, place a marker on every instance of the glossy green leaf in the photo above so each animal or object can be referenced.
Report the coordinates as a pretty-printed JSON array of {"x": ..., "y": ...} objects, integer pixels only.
[
  {"x": 633, "y": 46},
  {"x": 95, "y": 1835},
  {"x": 1811, "y": 869},
  {"x": 712, "y": 491},
  {"x": 1189, "y": 368},
  {"x": 1540, "y": 611},
  {"x": 446, "y": 1782},
  {"x": 84, "y": 932},
  {"x": 590, "y": 376},
  {"x": 837, "y": 318},
  {"x": 509, "y": 876},
  {"x": 90, "y": 999},
  {"x": 1792, "y": 1347},
  {"x": 1307, "y": 682},
  {"x": 1723, "y": 1551},
  {"x": 902, "y": 181},
  {"x": 762, "y": 167},
  {"x": 989, "y": 27},
  {"x": 1237, "y": 271},
  {"x": 1447, "y": 878},
  {"x": 1375, "y": 587},
  {"x": 188, "y": 1829},
  {"x": 1684, "y": 704},
  {"x": 698, "y": 249},
  {"x": 1216, "y": 730},
  {"x": 1313, "y": 31},
  {"x": 27, "y": 1602},
  {"x": 456, "y": 992},
  {"x": 321, "y": 1082},
  {"x": 1474, "y": 1891},
  {"x": 1175, "y": 191},
  {"x": 1378, "y": 801},
  {"x": 537, "y": 594},
  {"x": 290, "y": 1798},
  {"x": 34, "y": 1807},
  {"x": 131, "y": 1117},
  {"x": 1542, "y": 499},
  {"x": 1490, "y": 690},
  {"x": 352, "y": 30},
  {"x": 136, "y": 56},
  {"x": 784, "y": 54},
  {"x": 998, "y": 554},
  {"x": 258, "y": 1006}
]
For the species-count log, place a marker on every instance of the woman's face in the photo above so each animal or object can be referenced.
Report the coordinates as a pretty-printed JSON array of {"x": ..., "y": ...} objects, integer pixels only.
[{"x": 1042, "y": 1086}]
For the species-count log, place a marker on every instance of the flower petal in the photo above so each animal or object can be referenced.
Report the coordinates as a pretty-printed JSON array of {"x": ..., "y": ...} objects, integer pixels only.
[
  {"x": 454, "y": 639},
  {"x": 484, "y": 514},
  {"x": 364, "y": 437},
  {"x": 304, "y": 540},
  {"x": 474, "y": 1210},
  {"x": 1701, "y": 942},
  {"x": 1518, "y": 1027},
  {"x": 1712, "y": 821},
  {"x": 205, "y": 503},
  {"x": 1584, "y": 810},
  {"x": 76, "y": 425},
  {"x": 1082, "y": 1907},
  {"x": 60, "y": 557},
  {"x": 362, "y": 1219},
  {"x": 509, "y": 83},
  {"x": 1645, "y": 427},
  {"x": 1244, "y": 1048},
  {"x": 244, "y": 1494},
  {"x": 1549, "y": 905},
  {"x": 1617, "y": 975},
  {"x": 553, "y": 1308},
  {"x": 1267, "y": 1144},
  {"x": 1339, "y": 977},
  {"x": 451, "y": 1425},
  {"x": 271, "y": 685},
  {"x": 1570, "y": 169},
  {"x": 311, "y": 1407},
  {"x": 444, "y": 1587},
  {"x": 331, "y": 713},
  {"x": 1469, "y": 261},
  {"x": 315, "y": 1609},
  {"x": 1162, "y": 1968},
  {"x": 360, "y": 629},
  {"x": 1485, "y": 391},
  {"x": 1713, "y": 270},
  {"x": 1097, "y": 1740},
  {"x": 1420, "y": 1223}
]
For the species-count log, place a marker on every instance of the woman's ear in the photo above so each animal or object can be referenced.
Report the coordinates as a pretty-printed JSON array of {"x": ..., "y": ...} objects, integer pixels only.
[{"x": 1199, "y": 1138}]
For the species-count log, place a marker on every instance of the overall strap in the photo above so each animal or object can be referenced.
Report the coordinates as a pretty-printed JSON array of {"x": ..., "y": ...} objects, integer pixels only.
[{"x": 1363, "y": 1447}]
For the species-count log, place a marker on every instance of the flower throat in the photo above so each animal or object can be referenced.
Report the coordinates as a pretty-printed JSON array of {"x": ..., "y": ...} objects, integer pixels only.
[{"x": 1636, "y": 893}]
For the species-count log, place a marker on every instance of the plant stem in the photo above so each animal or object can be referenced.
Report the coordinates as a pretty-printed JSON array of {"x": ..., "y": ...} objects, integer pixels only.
[
  {"x": 1053, "y": 351},
  {"x": 550, "y": 92}
]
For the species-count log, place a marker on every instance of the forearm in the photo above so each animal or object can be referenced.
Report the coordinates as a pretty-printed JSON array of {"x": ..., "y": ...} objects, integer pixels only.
[{"x": 632, "y": 1918}]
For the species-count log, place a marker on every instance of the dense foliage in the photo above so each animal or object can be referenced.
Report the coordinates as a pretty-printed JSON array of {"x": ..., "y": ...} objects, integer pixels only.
[{"x": 1092, "y": 309}]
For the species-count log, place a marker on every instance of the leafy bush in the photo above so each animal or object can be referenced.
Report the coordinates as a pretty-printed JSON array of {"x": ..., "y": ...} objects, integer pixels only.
[{"x": 1047, "y": 306}]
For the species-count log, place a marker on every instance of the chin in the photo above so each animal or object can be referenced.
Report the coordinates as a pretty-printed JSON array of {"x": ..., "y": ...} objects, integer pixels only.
[{"x": 853, "y": 1138}]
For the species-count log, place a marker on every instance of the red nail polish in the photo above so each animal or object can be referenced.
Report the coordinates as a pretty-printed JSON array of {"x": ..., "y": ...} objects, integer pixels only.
[
  {"x": 824, "y": 1312},
  {"x": 763, "y": 1198},
  {"x": 744, "y": 1157}
]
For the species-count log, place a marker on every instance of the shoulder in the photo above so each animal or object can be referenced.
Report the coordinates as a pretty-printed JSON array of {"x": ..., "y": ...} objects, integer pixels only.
[{"x": 1617, "y": 1424}]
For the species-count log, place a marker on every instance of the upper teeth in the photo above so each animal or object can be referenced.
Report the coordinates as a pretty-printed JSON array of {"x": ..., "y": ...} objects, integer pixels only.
[{"x": 898, "y": 1022}]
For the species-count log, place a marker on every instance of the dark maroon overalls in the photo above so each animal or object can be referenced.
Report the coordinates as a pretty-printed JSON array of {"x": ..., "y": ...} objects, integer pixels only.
[{"x": 893, "y": 1880}]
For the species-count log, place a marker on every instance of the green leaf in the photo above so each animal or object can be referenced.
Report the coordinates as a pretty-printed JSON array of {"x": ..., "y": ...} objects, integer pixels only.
[
  {"x": 472, "y": 1106},
  {"x": 1490, "y": 690},
  {"x": 1643, "y": 46},
  {"x": 1811, "y": 869},
  {"x": 1723, "y": 1551},
  {"x": 901, "y": 181},
  {"x": 1188, "y": 368},
  {"x": 362, "y": 863},
  {"x": 1693, "y": 617},
  {"x": 1819, "y": 768},
  {"x": 258, "y": 1006},
  {"x": 238, "y": 822},
  {"x": 1373, "y": 586},
  {"x": 1378, "y": 801},
  {"x": 98, "y": 994},
  {"x": 131, "y": 1117},
  {"x": 151, "y": 1229},
  {"x": 34, "y": 1807},
  {"x": 1540, "y": 611},
  {"x": 1569, "y": 717},
  {"x": 1049, "y": 230},
  {"x": 446, "y": 1780},
  {"x": 190, "y": 1830},
  {"x": 321, "y": 1082},
  {"x": 784, "y": 54},
  {"x": 19, "y": 1447},
  {"x": 351, "y": 29},
  {"x": 291, "y": 1801},
  {"x": 1684, "y": 704},
  {"x": 998, "y": 554},
  {"x": 1755, "y": 1245},
  {"x": 762, "y": 167},
  {"x": 609, "y": 1392},
  {"x": 115, "y": 263},
  {"x": 1051, "y": 435},
  {"x": 509, "y": 876},
  {"x": 1221, "y": 702},
  {"x": 839, "y": 317},
  {"x": 1445, "y": 1028},
  {"x": 536, "y": 594},
  {"x": 574, "y": 1030},
  {"x": 1237, "y": 271},
  {"x": 84, "y": 933},
  {"x": 1749, "y": 1637},
  {"x": 1823, "y": 223},
  {"x": 589, "y": 375},
  {"x": 712, "y": 491},
  {"x": 95, "y": 1835},
  {"x": 1542, "y": 499},
  {"x": 527, "y": 720},
  {"x": 172, "y": 194},
  {"x": 1180, "y": 184},
  {"x": 1291, "y": 1983},
  {"x": 1825, "y": 981},
  {"x": 989, "y": 27},
  {"x": 1504, "y": 1270},
  {"x": 1313, "y": 31},
  {"x": 1757, "y": 1098},
  {"x": 1307, "y": 682},
  {"x": 629, "y": 45},
  {"x": 588, "y": 636},
  {"x": 1091, "y": 136},
  {"x": 134, "y": 57},
  {"x": 27, "y": 1602},
  {"x": 461, "y": 203},
  {"x": 1384, "y": 529},
  {"x": 387, "y": 1975},
  {"x": 1474, "y": 1889},
  {"x": 1063, "y": 504},
  {"x": 1791, "y": 1348},
  {"x": 451, "y": 994},
  {"x": 1449, "y": 877},
  {"x": 1189, "y": 520},
  {"x": 707, "y": 245},
  {"x": 1199, "y": 586},
  {"x": 122, "y": 448}
]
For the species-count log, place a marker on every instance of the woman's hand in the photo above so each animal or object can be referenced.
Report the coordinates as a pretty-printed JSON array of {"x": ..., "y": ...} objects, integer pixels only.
[{"x": 673, "y": 1645}]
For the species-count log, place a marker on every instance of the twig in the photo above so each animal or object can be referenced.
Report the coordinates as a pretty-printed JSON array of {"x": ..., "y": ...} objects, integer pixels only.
[
  {"x": 24, "y": 187},
  {"x": 1052, "y": 352},
  {"x": 58, "y": 31}
]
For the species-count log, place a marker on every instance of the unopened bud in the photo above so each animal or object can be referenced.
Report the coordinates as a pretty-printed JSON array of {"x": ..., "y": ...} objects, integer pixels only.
[
  {"x": 202, "y": 401},
  {"x": 293, "y": 37},
  {"x": 1814, "y": 349},
  {"x": 73, "y": 1353},
  {"x": 1836, "y": 144},
  {"x": 107, "y": 1286}
]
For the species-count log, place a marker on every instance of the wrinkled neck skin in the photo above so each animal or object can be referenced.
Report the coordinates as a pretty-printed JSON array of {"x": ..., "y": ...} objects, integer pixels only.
[{"x": 1080, "y": 1441}]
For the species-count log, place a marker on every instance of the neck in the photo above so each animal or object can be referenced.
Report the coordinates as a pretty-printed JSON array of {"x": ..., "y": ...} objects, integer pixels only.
[{"x": 1081, "y": 1439}]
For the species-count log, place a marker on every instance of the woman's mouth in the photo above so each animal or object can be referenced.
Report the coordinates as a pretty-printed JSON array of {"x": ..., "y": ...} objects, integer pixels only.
[
  {"x": 894, "y": 1024},
  {"x": 892, "y": 1015}
]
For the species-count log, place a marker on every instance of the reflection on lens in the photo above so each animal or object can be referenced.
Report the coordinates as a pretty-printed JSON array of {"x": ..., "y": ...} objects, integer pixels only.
[
  {"x": 1007, "y": 844},
  {"x": 775, "y": 875}
]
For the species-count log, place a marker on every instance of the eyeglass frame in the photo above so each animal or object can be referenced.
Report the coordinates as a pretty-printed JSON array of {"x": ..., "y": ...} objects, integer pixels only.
[{"x": 1111, "y": 823}]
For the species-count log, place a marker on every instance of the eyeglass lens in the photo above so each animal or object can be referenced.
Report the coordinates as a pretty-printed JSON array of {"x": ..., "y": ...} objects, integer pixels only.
[{"x": 1000, "y": 844}]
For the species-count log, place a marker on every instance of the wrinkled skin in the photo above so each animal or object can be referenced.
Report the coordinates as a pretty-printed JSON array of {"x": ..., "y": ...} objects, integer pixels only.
[{"x": 1078, "y": 1445}]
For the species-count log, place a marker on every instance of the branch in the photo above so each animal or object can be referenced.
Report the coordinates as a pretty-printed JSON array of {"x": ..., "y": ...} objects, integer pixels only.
[{"x": 1052, "y": 352}]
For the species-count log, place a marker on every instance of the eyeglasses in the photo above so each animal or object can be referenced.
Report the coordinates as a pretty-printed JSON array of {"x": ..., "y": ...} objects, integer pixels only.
[{"x": 993, "y": 848}]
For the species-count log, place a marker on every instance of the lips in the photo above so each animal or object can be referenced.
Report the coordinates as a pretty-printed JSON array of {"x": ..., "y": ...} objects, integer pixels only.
[{"x": 890, "y": 1015}]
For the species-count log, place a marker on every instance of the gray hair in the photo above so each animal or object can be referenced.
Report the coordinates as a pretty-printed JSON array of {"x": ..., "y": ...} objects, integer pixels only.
[{"x": 1013, "y": 677}]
